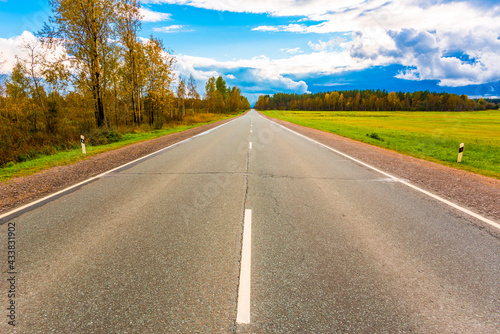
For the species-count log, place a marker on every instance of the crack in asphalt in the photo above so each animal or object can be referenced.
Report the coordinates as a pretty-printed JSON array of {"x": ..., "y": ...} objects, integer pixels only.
[
  {"x": 193, "y": 173},
  {"x": 236, "y": 325},
  {"x": 264, "y": 175}
]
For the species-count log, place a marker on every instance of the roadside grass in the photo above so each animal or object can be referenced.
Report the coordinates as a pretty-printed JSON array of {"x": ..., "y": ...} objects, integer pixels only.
[
  {"x": 71, "y": 156},
  {"x": 433, "y": 136}
]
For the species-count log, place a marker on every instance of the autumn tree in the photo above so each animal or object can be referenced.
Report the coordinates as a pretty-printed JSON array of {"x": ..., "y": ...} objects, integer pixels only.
[
  {"x": 32, "y": 68},
  {"x": 393, "y": 100},
  {"x": 159, "y": 77},
  {"x": 43, "y": 73},
  {"x": 192, "y": 94},
  {"x": 84, "y": 28},
  {"x": 128, "y": 24},
  {"x": 181, "y": 96},
  {"x": 221, "y": 86},
  {"x": 233, "y": 100},
  {"x": 210, "y": 92},
  {"x": 17, "y": 88},
  {"x": 2, "y": 87}
]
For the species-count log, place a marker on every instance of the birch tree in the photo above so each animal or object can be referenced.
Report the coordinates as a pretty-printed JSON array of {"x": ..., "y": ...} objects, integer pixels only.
[
  {"x": 159, "y": 76},
  {"x": 33, "y": 67},
  {"x": 193, "y": 95},
  {"x": 127, "y": 28},
  {"x": 84, "y": 28},
  {"x": 181, "y": 96},
  {"x": 210, "y": 92}
]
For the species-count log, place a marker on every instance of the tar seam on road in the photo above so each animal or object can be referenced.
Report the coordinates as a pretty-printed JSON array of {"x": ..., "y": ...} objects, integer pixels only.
[
  {"x": 61, "y": 192},
  {"x": 456, "y": 206},
  {"x": 243, "y": 305}
]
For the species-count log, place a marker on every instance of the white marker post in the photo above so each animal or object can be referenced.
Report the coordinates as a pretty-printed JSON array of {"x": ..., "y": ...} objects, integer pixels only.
[
  {"x": 460, "y": 152},
  {"x": 82, "y": 139}
]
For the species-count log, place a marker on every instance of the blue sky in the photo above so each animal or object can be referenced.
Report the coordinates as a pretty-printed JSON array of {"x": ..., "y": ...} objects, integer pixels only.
[{"x": 266, "y": 46}]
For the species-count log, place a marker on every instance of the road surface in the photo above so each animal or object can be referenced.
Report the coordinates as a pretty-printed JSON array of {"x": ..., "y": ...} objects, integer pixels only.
[{"x": 331, "y": 247}]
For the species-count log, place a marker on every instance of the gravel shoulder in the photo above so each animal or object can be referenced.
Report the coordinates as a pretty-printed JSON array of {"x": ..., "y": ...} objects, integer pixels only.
[
  {"x": 480, "y": 194},
  {"x": 22, "y": 190}
]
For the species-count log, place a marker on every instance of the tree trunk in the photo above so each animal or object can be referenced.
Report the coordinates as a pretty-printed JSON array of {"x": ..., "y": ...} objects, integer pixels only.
[
  {"x": 97, "y": 75},
  {"x": 99, "y": 102}
]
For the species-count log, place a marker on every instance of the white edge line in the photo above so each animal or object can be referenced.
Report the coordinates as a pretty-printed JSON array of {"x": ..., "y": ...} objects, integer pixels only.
[
  {"x": 243, "y": 315},
  {"x": 107, "y": 172},
  {"x": 458, "y": 207}
]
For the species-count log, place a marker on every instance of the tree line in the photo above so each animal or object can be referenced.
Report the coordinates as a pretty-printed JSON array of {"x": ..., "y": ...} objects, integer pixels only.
[
  {"x": 372, "y": 100},
  {"x": 88, "y": 72}
]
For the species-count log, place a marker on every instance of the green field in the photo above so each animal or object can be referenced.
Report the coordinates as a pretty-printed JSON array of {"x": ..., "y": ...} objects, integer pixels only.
[
  {"x": 71, "y": 156},
  {"x": 433, "y": 136}
]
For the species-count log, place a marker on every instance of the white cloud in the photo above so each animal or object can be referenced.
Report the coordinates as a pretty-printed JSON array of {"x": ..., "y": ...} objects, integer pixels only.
[
  {"x": 408, "y": 74},
  {"x": 298, "y": 65},
  {"x": 151, "y": 16},
  {"x": 278, "y": 8},
  {"x": 299, "y": 28},
  {"x": 447, "y": 57},
  {"x": 266, "y": 28},
  {"x": 185, "y": 67},
  {"x": 291, "y": 51},
  {"x": 276, "y": 82},
  {"x": 172, "y": 29},
  {"x": 328, "y": 45},
  {"x": 255, "y": 74},
  {"x": 13, "y": 46}
]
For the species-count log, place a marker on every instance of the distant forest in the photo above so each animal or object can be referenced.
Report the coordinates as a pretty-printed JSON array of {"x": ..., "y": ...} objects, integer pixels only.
[{"x": 373, "y": 100}]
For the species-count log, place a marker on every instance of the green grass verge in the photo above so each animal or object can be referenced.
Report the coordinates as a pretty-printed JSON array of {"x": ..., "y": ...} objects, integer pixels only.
[
  {"x": 74, "y": 155},
  {"x": 433, "y": 136}
]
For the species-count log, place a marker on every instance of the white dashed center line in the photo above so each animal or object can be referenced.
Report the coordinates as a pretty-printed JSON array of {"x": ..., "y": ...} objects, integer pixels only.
[{"x": 243, "y": 315}]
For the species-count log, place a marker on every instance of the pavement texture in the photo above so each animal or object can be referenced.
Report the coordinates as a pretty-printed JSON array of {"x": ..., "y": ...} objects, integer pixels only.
[{"x": 155, "y": 247}]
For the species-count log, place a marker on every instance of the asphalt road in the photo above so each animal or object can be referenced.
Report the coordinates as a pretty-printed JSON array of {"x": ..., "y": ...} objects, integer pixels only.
[{"x": 156, "y": 247}]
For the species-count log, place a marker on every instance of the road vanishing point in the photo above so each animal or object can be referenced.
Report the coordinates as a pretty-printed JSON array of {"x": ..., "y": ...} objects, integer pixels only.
[{"x": 250, "y": 228}]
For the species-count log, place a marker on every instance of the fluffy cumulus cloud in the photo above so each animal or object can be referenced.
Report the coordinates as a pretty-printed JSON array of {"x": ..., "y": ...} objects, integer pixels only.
[
  {"x": 253, "y": 76},
  {"x": 274, "y": 82},
  {"x": 12, "y": 47},
  {"x": 452, "y": 58},
  {"x": 454, "y": 42}
]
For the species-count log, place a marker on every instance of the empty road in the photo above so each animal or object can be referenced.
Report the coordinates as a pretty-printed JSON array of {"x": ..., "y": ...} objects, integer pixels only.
[{"x": 249, "y": 228}]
